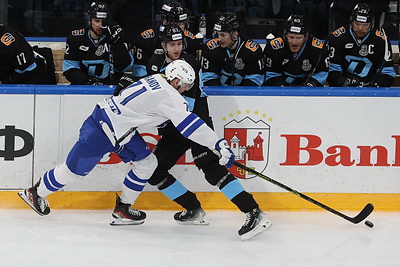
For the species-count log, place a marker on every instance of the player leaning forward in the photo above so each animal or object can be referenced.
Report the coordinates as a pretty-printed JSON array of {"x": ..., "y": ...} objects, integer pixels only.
[{"x": 150, "y": 101}]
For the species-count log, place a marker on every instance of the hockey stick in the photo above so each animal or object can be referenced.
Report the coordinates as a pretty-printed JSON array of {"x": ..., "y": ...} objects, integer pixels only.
[{"x": 366, "y": 211}]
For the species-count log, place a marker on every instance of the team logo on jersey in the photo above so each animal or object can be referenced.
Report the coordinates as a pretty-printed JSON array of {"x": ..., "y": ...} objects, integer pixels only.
[
  {"x": 339, "y": 31},
  {"x": 317, "y": 43},
  {"x": 189, "y": 34},
  {"x": 239, "y": 64},
  {"x": 148, "y": 34},
  {"x": 213, "y": 43},
  {"x": 363, "y": 51},
  {"x": 78, "y": 32},
  {"x": 306, "y": 65},
  {"x": 380, "y": 34},
  {"x": 100, "y": 50},
  {"x": 277, "y": 43},
  {"x": 249, "y": 139},
  {"x": 251, "y": 45},
  {"x": 7, "y": 39},
  {"x": 159, "y": 51},
  {"x": 349, "y": 46}
]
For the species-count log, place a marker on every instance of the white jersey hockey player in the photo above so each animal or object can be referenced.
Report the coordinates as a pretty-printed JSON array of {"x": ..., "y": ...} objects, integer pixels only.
[{"x": 151, "y": 101}]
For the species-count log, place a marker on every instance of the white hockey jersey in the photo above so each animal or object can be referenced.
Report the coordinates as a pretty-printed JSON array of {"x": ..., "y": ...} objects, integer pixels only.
[{"x": 152, "y": 101}]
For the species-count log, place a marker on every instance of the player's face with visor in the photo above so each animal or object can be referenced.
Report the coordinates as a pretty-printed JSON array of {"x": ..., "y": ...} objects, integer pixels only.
[
  {"x": 96, "y": 25},
  {"x": 295, "y": 41},
  {"x": 360, "y": 29}
]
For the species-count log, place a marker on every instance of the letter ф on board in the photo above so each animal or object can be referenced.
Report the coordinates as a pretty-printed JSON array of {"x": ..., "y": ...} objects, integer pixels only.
[{"x": 10, "y": 134}]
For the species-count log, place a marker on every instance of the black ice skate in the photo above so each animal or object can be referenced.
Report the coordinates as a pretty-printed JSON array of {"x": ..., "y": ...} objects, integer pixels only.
[
  {"x": 194, "y": 217},
  {"x": 123, "y": 214},
  {"x": 37, "y": 203},
  {"x": 256, "y": 223}
]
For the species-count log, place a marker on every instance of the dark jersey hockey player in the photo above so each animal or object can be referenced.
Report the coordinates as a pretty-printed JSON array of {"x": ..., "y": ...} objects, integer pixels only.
[
  {"x": 173, "y": 145},
  {"x": 112, "y": 126},
  {"x": 297, "y": 58},
  {"x": 98, "y": 54},
  {"x": 148, "y": 41},
  {"x": 19, "y": 64},
  {"x": 360, "y": 56},
  {"x": 231, "y": 59}
]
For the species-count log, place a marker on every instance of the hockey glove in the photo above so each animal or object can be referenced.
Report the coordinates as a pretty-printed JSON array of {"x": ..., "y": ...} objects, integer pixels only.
[
  {"x": 227, "y": 157},
  {"x": 113, "y": 31},
  {"x": 124, "y": 82}
]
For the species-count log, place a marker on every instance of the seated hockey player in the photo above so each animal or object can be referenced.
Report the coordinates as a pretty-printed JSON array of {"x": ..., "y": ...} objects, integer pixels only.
[
  {"x": 297, "y": 58},
  {"x": 360, "y": 56},
  {"x": 231, "y": 59},
  {"x": 99, "y": 54},
  {"x": 148, "y": 41},
  {"x": 111, "y": 127},
  {"x": 19, "y": 64},
  {"x": 173, "y": 146}
]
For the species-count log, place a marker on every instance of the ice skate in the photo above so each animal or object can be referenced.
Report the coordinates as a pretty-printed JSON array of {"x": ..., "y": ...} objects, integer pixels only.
[
  {"x": 123, "y": 214},
  {"x": 37, "y": 203},
  {"x": 256, "y": 223},
  {"x": 194, "y": 217}
]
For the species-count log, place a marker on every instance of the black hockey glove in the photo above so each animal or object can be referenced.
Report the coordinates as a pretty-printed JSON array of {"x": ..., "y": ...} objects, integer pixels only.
[
  {"x": 113, "y": 31},
  {"x": 353, "y": 82},
  {"x": 124, "y": 82},
  {"x": 95, "y": 81}
]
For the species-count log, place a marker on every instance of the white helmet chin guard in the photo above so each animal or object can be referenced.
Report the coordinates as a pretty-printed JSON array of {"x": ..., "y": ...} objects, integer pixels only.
[{"x": 182, "y": 70}]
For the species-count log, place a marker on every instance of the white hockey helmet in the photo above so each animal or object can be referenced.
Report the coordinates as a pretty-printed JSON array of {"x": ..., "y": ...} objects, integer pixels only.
[{"x": 182, "y": 70}]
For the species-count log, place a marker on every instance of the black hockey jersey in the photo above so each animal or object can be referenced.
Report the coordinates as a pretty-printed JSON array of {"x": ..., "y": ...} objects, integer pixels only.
[
  {"x": 149, "y": 41},
  {"x": 366, "y": 62},
  {"x": 240, "y": 67},
  {"x": 89, "y": 61},
  {"x": 158, "y": 64},
  {"x": 283, "y": 68},
  {"x": 18, "y": 63}
]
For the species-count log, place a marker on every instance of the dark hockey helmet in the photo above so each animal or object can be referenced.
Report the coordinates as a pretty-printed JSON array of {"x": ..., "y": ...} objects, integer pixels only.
[
  {"x": 171, "y": 32},
  {"x": 296, "y": 24},
  {"x": 363, "y": 13},
  {"x": 174, "y": 12},
  {"x": 227, "y": 22},
  {"x": 98, "y": 10}
]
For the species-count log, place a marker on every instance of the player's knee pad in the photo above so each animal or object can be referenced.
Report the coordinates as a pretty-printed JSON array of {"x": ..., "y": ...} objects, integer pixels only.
[
  {"x": 214, "y": 172},
  {"x": 144, "y": 168}
]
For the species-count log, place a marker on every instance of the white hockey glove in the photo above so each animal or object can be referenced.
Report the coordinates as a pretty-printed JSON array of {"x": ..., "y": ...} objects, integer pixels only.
[{"x": 226, "y": 155}]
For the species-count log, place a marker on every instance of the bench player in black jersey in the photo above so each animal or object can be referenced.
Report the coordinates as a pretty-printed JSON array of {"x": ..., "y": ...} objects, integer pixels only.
[
  {"x": 148, "y": 41},
  {"x": 360, "y": 56},
  {"x": 296, "y": 58},
  {"x": 231, "y": 59},
  {"x": 98, "y": 54}
]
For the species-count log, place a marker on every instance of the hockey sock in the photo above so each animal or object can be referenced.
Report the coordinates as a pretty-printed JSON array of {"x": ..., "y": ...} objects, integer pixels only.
[
  {"x": 55, "y": 179},
  {"x": 177, "y": 192},
  {"x": 132, "y": 187},
  {"x": 233, "y": 190}
]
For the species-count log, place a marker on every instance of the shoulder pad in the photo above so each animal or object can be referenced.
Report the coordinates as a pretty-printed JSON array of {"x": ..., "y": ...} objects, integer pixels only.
[
  {"x": 148, "y": 34},
  {"x": 317, "y": 43},
  {"x": 339, "y": 31},
  {"x": 277, "y": 43},
  {"x": 380, "y": 34},
  {"x": 213, "y": 43},
  {"x": 7, "y": 39},
  {"x": 251, "y": 45},
  {"x": 78, "y": 32},
  {"x": 189, "y": 34}
]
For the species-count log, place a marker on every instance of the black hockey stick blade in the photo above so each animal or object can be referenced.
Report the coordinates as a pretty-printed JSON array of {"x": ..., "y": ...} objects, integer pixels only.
[{"x": 364, "y": 213}]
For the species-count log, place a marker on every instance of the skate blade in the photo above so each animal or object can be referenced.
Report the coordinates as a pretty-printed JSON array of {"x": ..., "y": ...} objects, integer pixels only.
[
  {"x": 264, "y": 225},
  {"x": 22, "y": 195},
  {"x": 122, "y": 222},
  {"x": 201, "y": 222}
]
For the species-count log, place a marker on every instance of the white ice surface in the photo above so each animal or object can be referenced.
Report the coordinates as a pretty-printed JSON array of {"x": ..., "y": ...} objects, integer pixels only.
[{"x": 85, "y": 238}]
